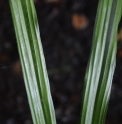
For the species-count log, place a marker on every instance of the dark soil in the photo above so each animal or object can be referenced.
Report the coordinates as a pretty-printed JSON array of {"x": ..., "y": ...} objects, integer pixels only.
[{"x": 66, "y": 50}]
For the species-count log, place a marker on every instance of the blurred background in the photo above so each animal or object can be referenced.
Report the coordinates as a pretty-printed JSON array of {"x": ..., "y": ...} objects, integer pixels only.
[{"x": 66, "y": 29}]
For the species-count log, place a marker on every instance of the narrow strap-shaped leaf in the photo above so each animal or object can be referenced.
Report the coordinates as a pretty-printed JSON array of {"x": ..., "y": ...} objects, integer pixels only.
[
  {"x": 99, "y": 73},
  {"x": 33, "y": 62}
]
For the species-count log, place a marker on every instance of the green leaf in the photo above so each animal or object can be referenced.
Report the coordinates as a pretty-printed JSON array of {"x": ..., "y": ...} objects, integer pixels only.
[
  {"x": 33, "y": 62},
  {"x": 99, "y": 73}
]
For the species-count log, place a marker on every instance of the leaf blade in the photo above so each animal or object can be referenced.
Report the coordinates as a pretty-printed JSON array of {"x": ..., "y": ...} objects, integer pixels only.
[
  {"x": 101, "y": 51},
  {"x": 32, "y": 60}
]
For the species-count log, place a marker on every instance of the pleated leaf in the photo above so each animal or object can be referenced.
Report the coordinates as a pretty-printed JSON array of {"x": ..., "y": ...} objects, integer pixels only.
[
  {"x": 33, "y": 62},
  {"x": 100, "y": 70}
]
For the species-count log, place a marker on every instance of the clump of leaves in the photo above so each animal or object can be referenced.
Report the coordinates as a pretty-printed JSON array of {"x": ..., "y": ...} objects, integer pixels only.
[{"x": 99, "y": 73}]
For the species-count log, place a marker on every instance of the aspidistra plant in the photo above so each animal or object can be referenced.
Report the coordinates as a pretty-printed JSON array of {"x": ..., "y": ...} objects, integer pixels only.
[{"x": 99, "y": 73}]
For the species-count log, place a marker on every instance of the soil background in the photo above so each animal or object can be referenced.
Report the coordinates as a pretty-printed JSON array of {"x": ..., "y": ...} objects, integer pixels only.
[{"x": 66, "y": 29}]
